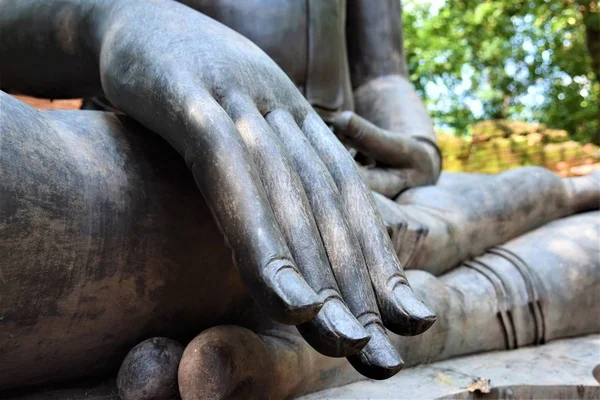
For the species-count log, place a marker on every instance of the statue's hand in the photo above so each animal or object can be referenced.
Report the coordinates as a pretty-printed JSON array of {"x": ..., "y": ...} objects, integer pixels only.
[
  {"x": 302, "y": 225},
  {"x": 393, "y": 129}
]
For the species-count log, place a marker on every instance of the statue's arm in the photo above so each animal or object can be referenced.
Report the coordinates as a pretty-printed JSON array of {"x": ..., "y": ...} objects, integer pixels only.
[
  {"x": 51, "y": 48},
  {"x": 464, "y": 219},
  {"x": 398, "y": 133},
  {"x": 303, "y": 228}
]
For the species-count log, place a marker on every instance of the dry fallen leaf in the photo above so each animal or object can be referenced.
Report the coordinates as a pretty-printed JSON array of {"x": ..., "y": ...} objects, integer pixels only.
[
  {"x": 480, "y": 384},
  {"x": 444, "y": 379}
]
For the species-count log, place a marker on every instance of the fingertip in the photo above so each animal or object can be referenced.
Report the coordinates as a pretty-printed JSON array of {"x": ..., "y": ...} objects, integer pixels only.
[
  {"x": 407, "y": 315},
  {"x": 378, "y": 359},
  {"x": 295, "y": 301},
  {"x": 335, "y": 332}
]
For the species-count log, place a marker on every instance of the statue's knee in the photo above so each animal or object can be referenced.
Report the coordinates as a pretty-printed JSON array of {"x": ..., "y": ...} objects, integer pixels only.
[{"x": 226, "y": 362}]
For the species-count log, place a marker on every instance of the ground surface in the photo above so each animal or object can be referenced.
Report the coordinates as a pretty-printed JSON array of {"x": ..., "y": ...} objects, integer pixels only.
[
  {"x": 562, "y": 363},
  {"x": 561, "y": 369}
]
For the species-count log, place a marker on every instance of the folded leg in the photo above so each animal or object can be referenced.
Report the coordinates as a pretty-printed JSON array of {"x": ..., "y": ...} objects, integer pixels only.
[
  {"x": 515, "y": 295},
  {"x": 466, "y": 215}
]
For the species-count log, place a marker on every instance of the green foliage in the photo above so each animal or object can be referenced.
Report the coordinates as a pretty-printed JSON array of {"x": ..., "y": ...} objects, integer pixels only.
[{"x": 505, "y": 59}]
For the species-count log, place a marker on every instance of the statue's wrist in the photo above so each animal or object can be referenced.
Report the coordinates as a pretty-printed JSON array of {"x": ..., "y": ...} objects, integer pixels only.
[{"x": 434, "y": 152}]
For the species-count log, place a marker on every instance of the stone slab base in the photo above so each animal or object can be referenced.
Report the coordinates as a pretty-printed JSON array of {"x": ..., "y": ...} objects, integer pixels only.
[{"x": 559, "y": 370}]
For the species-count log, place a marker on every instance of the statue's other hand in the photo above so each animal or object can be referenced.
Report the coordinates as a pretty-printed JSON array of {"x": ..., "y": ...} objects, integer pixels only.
[
  {"x": 393, "y": 130},
  {"x": 303, "y": 227}
]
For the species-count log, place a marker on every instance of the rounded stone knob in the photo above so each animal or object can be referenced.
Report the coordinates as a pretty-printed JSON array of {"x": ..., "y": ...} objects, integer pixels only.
[{"x": 149, "y": 371}]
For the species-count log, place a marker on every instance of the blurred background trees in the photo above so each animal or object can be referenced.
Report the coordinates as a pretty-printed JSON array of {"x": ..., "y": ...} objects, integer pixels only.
[{"x": 534, "y": 61}]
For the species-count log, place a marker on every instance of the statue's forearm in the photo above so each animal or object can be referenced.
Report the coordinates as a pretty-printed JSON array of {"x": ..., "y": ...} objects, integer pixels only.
[
  {"x": 501, "y": 209},
  {"x": 465, "y": 220},
  {"x": 583, "y": 192},
  {"x": 53, "y": 46},
  {"x": 375, "y": 43}
]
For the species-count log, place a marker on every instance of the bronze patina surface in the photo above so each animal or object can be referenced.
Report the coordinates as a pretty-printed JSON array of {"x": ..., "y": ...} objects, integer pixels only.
[{"x": 214, "y": 201}]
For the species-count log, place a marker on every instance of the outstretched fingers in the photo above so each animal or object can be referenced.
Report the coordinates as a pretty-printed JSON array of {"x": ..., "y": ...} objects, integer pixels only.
[
  {"x": 334, "y": 331},
  {"x": 378, "y": 359},
  {"x": 402, "y": 312},
  {"x": 230, "y": 184}
]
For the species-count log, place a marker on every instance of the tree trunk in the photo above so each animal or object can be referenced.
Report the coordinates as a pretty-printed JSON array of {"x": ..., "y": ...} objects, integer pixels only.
[{"x": 591, "y": 19}]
